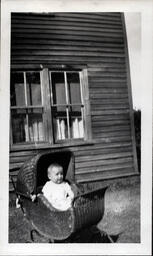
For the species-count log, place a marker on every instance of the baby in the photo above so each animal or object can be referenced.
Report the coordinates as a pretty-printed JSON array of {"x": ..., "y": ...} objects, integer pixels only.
[{"x": 57, "y": 191}]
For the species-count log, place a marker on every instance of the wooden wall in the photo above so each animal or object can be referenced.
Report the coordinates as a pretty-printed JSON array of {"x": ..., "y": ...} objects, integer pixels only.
[{"x": 97, "y": 41}]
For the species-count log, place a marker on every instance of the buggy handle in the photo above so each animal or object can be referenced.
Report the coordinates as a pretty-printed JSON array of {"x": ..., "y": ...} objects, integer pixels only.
[
  {"x": 18, "y": 193},
  {"x": 13, "y": 184},
  {"x": 27, "y": 196}
]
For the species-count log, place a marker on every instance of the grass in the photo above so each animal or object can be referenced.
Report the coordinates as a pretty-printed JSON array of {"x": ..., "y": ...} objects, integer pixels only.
[
  {"x": 121, "y": 219},
  {"x": 122, "y": 213}
]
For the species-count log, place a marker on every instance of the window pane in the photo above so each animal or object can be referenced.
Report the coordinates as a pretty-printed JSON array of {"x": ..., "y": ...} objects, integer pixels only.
[
  {"x": 58, "y": 87},
  {"x": 27, "y": 125},
  {"x": 17, "y": 89},
  {"x": 74, "y": 89},
  {"x": 33, "y": 88},
  {"x": 60, "y": 124},
  {"x": 76, "y": 125},
  {"x": 36, "y": 131},
  {"x": 18, "y": 128}
]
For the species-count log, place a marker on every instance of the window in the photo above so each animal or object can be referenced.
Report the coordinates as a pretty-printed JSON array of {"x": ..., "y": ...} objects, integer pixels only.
[
  {"x": 26, "y": 107},
  {"x": 49, "y": 107},
  {"x": 67, "y": 105}
]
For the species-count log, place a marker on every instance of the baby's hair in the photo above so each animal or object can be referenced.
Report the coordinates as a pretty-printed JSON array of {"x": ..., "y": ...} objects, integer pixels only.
[{"x": 51, "y": 166}]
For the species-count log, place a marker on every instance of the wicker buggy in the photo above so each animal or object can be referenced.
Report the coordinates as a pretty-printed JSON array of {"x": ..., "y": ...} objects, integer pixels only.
[{"x": 87, "y": 209}]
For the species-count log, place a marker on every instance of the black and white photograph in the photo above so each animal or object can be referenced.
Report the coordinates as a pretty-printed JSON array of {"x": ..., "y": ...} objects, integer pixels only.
[{"x": 79, "y": 138}]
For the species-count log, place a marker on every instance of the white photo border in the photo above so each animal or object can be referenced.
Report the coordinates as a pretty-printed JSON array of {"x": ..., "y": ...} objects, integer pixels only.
[{"x": 145, "y": 7}]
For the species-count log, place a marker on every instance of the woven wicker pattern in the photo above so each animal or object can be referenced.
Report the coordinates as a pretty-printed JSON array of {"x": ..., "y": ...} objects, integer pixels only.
[
  {"x": 26, "y": 179},
  {"x": 89, "y": 209}
]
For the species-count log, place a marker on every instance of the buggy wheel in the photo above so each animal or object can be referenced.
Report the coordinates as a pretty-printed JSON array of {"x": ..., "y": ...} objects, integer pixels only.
[
  {"x": 107, "y": 236},
  {"x": 36, "y": 237},
  {"x": 51, "y": 241},
  {"x": 33, "y": 234}
]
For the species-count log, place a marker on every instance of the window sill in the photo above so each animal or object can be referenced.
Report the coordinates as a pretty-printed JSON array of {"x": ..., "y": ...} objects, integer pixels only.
[{"x": 39, "y": 146}]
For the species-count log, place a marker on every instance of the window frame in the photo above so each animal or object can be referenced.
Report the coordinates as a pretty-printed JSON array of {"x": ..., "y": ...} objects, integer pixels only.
[{"x": 47, "y": 115}]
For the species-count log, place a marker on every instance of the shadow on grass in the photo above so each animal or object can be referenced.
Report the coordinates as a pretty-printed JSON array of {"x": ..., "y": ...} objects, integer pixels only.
[
  {"x": 89, "y": 235},
  {"x": 94, "y": 235}
]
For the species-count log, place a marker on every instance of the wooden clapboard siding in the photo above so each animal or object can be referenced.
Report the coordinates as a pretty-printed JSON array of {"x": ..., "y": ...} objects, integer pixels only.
[
  {"x": 119, "y": 172},
  {"x": 95, "y": 41}
]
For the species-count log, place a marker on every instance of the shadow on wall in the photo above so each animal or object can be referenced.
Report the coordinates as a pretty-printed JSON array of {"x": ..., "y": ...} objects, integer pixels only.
[{"x": 137, "y": 125}]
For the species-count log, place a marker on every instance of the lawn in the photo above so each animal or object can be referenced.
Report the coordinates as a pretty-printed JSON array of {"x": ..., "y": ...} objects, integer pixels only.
[
  {"x": 121, "y": 219},
  {"x": 122, "y": 212}
]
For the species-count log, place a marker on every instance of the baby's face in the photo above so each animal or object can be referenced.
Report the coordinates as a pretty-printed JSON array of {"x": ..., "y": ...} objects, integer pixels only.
[{"x": 56, "y": 174}]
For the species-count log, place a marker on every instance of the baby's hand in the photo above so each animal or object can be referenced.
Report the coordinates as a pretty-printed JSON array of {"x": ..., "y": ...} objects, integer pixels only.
[{"x": 33, "y": 197}]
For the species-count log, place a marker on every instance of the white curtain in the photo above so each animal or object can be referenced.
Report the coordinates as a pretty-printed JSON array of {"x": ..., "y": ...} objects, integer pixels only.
[
  {"x": 77, "y": 128},
  {"x": 35, "y": 130},
  {"x": 61, "y": 129}
]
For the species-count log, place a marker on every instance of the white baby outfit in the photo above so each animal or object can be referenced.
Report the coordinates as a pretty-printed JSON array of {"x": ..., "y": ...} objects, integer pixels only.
[{"x": 59, "y": 195}]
